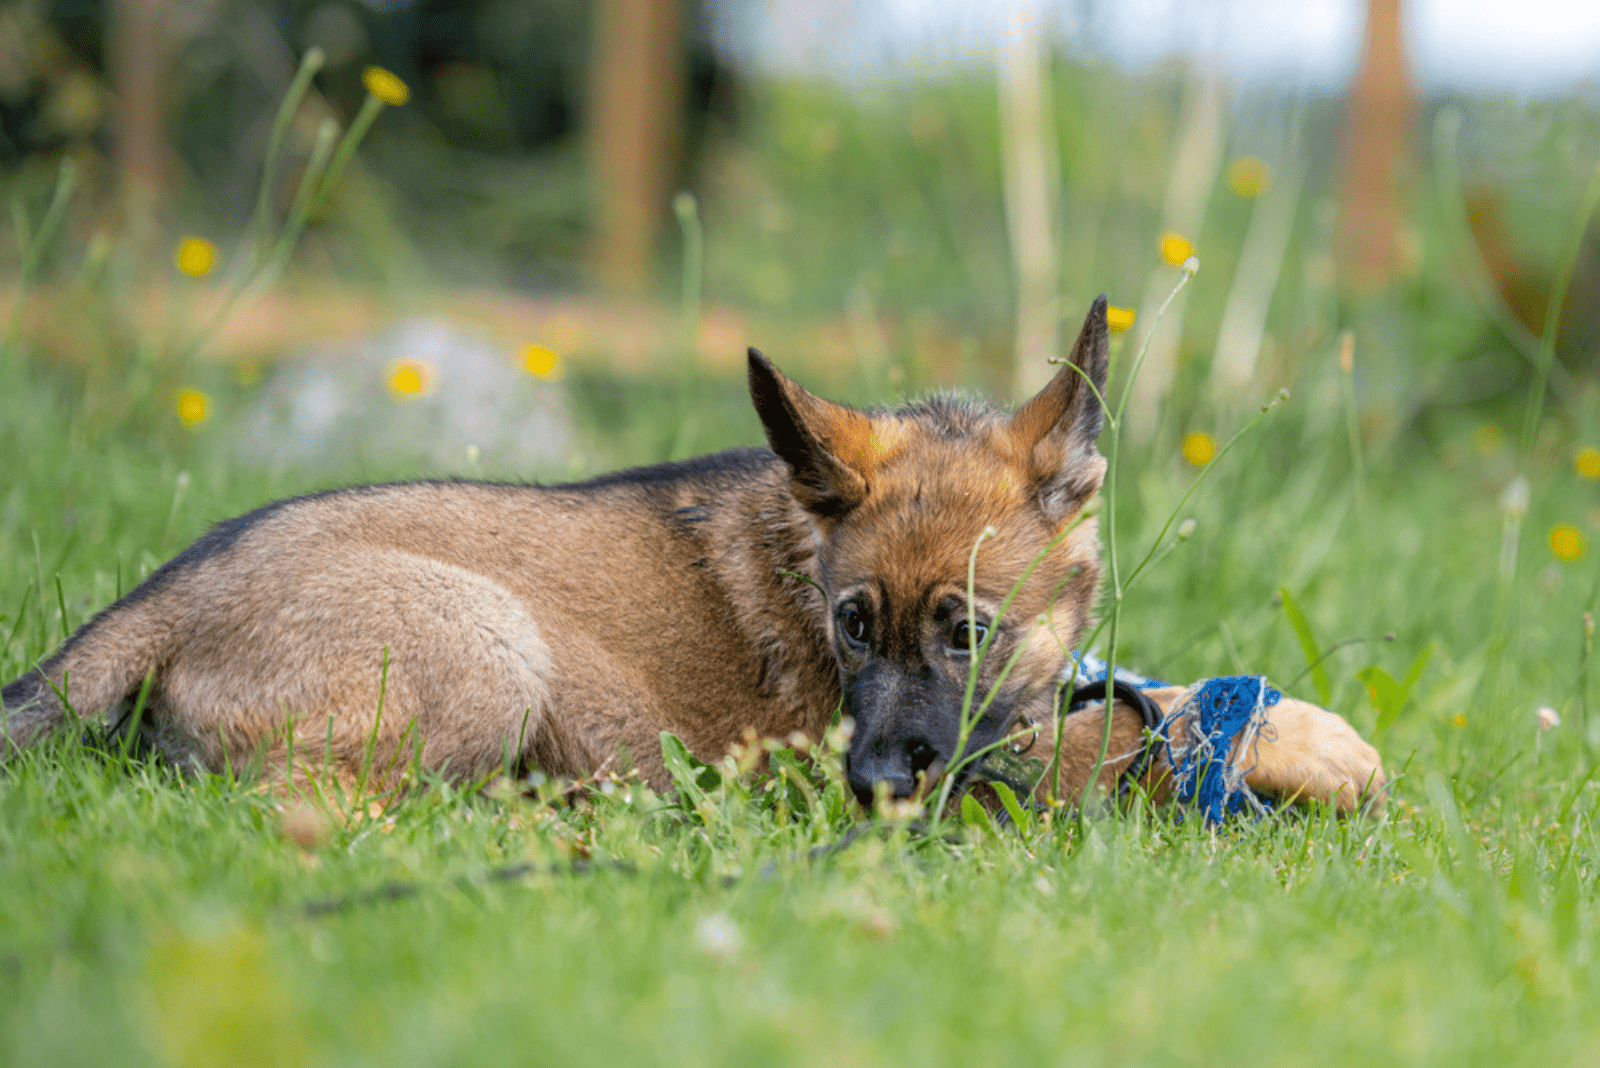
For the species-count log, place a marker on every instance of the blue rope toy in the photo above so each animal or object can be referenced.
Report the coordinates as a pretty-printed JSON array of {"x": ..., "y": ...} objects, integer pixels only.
[{"x": 1223, "y": 710}]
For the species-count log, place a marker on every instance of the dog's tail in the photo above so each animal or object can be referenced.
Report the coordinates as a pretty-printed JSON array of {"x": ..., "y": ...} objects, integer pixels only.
[{"x": 94, "y": 670}]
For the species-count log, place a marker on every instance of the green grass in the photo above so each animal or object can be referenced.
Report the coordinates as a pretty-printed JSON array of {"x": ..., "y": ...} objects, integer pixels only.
[{"x": 165, "y": 921}]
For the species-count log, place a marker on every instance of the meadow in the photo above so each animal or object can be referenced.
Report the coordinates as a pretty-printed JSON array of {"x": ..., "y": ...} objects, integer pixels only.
[{"x": 148, "y": 918}]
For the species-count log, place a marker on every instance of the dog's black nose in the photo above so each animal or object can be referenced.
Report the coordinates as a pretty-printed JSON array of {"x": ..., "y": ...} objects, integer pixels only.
[{"x": 897, "y": 763}]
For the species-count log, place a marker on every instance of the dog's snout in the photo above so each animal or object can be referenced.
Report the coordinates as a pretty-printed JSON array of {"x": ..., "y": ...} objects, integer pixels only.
[{"x": 896, "y": 763}]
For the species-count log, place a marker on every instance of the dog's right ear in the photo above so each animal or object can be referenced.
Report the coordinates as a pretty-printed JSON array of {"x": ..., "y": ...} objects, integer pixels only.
[
  {"x": 827, "y": 446},
  {"x": 1057, "y": 429}
]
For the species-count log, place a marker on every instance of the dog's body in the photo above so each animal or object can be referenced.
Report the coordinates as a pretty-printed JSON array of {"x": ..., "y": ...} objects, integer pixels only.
[{"x": 749, "y": 591}]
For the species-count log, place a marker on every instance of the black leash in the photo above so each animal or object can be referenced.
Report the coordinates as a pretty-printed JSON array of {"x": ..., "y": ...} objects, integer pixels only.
[{"x": 1148, "y": 710}]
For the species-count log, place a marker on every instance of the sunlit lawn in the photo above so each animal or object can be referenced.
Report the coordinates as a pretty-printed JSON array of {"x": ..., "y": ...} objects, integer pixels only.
[{"x": 150, "y": 919}]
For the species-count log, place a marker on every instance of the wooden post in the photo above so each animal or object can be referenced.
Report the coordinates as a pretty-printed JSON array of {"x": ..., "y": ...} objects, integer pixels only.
[
  {"x": 141, "y": 56},
  {"x": 1031, "y": 168},
  {"x": 635, "y": 108},
  {"x": 1377, "y": 151}
]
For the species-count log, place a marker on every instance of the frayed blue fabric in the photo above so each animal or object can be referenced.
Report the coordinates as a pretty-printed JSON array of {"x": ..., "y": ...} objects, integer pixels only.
[{"x": 1223, "y": 711}]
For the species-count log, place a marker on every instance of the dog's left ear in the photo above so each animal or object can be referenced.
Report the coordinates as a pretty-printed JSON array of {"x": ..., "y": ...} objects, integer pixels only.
[
  {"x": 830, "y": 448},
  {"x": 1057, "y": 429}
]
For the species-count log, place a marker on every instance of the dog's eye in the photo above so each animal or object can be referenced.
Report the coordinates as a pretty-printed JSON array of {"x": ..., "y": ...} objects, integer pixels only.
[
  {"x": 967, "y": 635},
  {"x": 853, "y": 622}
]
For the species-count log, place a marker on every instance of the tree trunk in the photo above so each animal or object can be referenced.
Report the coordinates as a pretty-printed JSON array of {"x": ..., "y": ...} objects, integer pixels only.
[
  {"x": 635, "y": 109},
  {"x": 1377, "y": 152},
  {"x": 1031, "y": 166},
  {"x": 141, "y": 56}
]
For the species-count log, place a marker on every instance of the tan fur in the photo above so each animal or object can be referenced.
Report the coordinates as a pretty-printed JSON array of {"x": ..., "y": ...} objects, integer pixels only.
[{"x": 564, "y": 625}]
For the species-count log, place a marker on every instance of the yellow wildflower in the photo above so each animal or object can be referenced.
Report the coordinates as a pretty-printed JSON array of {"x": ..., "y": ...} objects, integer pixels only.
[
  {"x": 386, "y": 86},
  {"x": 1459, "y": 719},
  {"x": 1566, "y": 542},
  {"x": 1249, "y": 176},
  {"x": 1488, "y": 439},
  {"x": 193, "y": 407},
  {"x": 1588, "y": 463},
  {"x": 1199, "y": 448},
  {"x": 410, "y": 378},
  {"x": 1119, "y": 319},
  {"x": 542, "y": 362},
  {"x": 1175, "y": 248},
  {"x": 195, "y": 256}
]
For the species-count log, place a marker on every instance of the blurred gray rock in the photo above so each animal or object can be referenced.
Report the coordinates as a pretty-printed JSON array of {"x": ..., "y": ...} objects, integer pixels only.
[{"x": 330, "y": 407}]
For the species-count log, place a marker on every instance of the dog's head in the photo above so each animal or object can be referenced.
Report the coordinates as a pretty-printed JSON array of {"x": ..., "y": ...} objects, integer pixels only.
[{"x": 899, "y": 499}]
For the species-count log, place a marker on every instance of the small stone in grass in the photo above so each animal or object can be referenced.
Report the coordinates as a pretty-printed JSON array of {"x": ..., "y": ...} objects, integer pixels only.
[
  {"x": 718, "y": 935},
  {"x": 304, "y": 826}
]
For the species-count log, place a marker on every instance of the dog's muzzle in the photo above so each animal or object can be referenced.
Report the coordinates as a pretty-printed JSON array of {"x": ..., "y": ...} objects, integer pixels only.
[{"x": 895, "y": 762}]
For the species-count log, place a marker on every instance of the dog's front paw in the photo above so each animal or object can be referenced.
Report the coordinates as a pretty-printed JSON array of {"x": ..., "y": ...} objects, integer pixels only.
[{"x": 1306, "y": 753}]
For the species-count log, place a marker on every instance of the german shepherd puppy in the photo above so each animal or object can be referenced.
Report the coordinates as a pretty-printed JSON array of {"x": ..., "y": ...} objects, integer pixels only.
[{"x": 747, "y": 591}]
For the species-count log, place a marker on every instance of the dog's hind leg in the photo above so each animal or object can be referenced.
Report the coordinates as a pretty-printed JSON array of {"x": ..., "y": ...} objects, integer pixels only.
[{"x": 375, "y": 662}]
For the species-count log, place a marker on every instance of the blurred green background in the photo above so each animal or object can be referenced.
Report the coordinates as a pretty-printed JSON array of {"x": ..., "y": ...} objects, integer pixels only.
[
  {"x": 867, "y": 209},
  {"x": 548, "y": 259}
]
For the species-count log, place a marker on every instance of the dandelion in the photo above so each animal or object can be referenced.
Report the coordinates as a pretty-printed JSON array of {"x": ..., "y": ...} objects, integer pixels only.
[
  {"x": 410, "y": 378},
  {"x": 1199, "y": 448},
  {"x": 541, "y": 362},
  {"x": 1176, "y": 249},
  {"x": 195, "y": 256},
  {"x": 1459, "y": 719},
  {"x": 1249, "y": 176},
  {"x": 1566, "y": 542},
  {"x": 1588, "y": 463},
  {"x": 1548, "y": 718},
  {"x": 193, "y": 407},
  {"x": 1119, "y": 319},
  {"x": 386, "y": 86},
  {"x": 1488, "y": 439}
]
